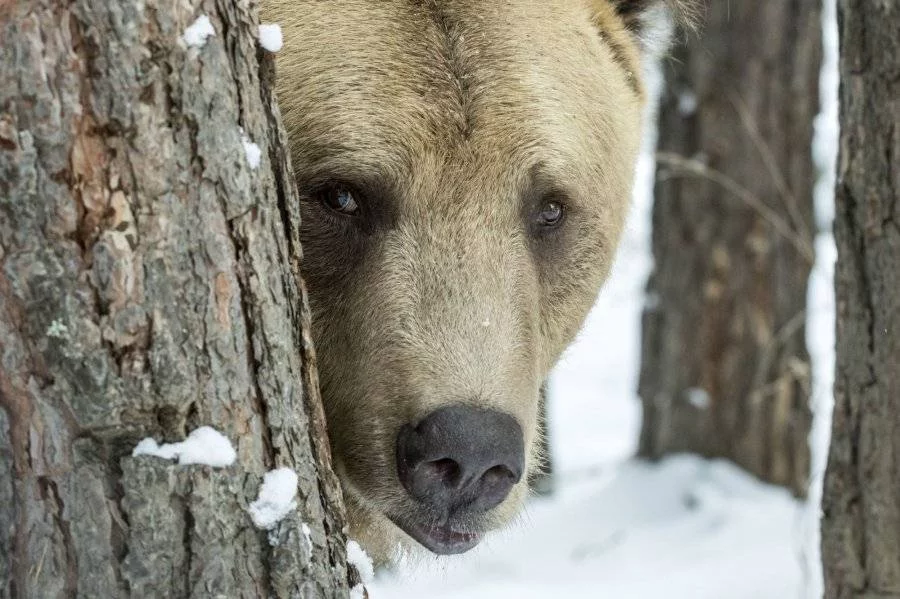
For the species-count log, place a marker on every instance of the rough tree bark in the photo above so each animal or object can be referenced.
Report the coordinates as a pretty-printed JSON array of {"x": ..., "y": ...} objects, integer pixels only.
[
  {"x": 861, "y": 502},
  {"x": 725, "y": 371},
  {"x": 147, "y": 287}
]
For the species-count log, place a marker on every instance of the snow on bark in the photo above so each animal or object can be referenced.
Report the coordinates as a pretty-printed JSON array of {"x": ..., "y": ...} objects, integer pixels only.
[
  {"x": 270, "y": 37},
  {"x": 195, "y": 35},
  {"x": 251, "y": 151},
  {"x": 358, "y": 557},
  {"x": 204, "y": 445},
  {"x": 275, "y": 499}
]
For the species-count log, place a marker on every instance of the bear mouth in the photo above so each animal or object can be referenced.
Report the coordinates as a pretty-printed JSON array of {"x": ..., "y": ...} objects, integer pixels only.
[{"x": 439, "y": 538}]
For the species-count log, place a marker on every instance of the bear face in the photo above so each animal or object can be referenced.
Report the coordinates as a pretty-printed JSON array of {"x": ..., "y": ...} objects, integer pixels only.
[{"x": 465, "y": 169}]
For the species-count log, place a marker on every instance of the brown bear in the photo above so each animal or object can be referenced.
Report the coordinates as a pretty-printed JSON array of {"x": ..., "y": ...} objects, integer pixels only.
[{"x": 465, "y": 168}]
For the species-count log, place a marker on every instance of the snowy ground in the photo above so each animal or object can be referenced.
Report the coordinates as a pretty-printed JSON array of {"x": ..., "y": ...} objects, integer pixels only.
[{"x": 685, "y": 528}]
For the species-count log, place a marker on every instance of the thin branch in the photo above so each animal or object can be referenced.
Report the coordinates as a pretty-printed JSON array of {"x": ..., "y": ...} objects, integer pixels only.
[
  {"x": 769, "y": 353},
  {"x": 768, "y": 157},
  {"x": 689, "y": 166}
]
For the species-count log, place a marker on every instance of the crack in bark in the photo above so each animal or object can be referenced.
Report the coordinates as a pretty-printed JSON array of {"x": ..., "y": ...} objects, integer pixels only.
[
  {"x": 187, "y": 540},
  {"x": 269, "y": 453},
  {"x": 120, "y": 524},
  {"x": 49, "y": 490},
  {"x": 16, "y": 402}
]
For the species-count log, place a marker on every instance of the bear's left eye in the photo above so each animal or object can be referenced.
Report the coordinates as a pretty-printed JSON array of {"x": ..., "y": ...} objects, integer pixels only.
[
  {"x": 340, "y": 199},
  {"x": 551, "y": 214}
]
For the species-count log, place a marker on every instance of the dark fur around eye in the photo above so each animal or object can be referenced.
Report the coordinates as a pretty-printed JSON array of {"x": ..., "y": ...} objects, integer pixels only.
[{"x": 354, "y": 203}]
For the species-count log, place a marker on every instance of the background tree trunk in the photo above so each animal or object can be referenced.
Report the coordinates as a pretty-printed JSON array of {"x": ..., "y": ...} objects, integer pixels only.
[
  {"x": 725, "y": 371},
  {"x": 861, "y": 502},
  {"x": 147, "y": 287}
]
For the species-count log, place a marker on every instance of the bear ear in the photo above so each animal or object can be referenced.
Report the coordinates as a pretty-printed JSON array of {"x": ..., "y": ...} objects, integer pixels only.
[{"x": 653, "y": 22}]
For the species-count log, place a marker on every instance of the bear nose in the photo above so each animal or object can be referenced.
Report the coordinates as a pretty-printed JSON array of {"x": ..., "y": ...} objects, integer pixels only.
[{"x": 461, "y": 458}]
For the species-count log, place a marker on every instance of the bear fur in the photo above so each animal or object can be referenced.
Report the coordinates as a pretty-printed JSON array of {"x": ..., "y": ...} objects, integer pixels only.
[{"x": 452, "y": 126}]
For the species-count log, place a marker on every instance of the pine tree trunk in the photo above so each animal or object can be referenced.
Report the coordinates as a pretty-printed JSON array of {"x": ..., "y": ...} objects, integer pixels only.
[
  {"x": 147, "y": 287},
  {"x": 725, "y": 371},
  {"x": 861, "y": 502}
]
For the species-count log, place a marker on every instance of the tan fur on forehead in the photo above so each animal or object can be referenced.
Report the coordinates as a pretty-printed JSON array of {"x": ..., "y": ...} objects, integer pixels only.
[
  {"x": 423, "y": 60},
  {"x": 620, "y": 38}
]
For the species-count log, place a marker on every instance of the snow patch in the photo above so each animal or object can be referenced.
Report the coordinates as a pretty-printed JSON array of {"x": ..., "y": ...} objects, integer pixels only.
[
  {"x": 307, "y": 534},
  {"x": 251, "y": 151},
  {"x": 683, "y": 528},
  {"x": 698, "y": 398},
  {"x": 275, "y": 499},
  {"x": 657, "y": 28},
  {"x": 270, "y": 37},
  {"x": 358, "y": 557},
  {"x": 820, "y": 307},
  {"x": 358, "y": 592},
  {"x": 205, "y": 445},
  {"x": 195, "y": 35},
  {"x": 687, "y": 103}
]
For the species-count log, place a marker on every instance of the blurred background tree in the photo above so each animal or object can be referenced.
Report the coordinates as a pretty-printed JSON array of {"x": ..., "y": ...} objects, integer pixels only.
[{"x": 725, "y": 370}]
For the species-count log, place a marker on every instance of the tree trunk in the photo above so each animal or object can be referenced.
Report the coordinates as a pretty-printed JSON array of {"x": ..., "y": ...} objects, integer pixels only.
[
  {"x": 861, "y": 502},
  {"x": 725, "y": 371},
  {"x": 147, "y": 287}
]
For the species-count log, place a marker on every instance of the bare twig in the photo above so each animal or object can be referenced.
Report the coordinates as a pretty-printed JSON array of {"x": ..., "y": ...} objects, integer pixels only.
[
  {"x": 689, "y": 166},
  {"x": 768, "y": 157},
  {"x": 788, "y": 330}
]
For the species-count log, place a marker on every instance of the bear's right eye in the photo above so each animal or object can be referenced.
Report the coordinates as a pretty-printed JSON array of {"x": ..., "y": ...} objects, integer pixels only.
[
  {"x": 551, "y": 214},
  {"x": 339, "y": 199}
]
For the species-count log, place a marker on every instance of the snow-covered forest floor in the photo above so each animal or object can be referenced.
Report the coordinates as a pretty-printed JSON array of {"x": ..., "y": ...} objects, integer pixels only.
[{"x": 684, "y": 528}]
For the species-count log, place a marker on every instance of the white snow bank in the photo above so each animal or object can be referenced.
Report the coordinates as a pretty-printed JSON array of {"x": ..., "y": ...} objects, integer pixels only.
[
  {"x": 205, "y": 445},
  {"x": 251, "y": 151},
  {"x": 195, "y": 35},
  {"x": 270, "y": 37},
  {"x": 358, "y": 592},
  {"x": 275, "y": 499},
  {"x": 685, "y": 528},
  {"x": 357, "y": 556}
]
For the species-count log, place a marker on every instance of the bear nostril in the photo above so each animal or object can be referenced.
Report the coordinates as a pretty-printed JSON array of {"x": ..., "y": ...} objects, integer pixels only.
[
  {"x": 494, "y": 486},
  {"x": 446, "y": 471},
  {"x": 499, "y": 475}
]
